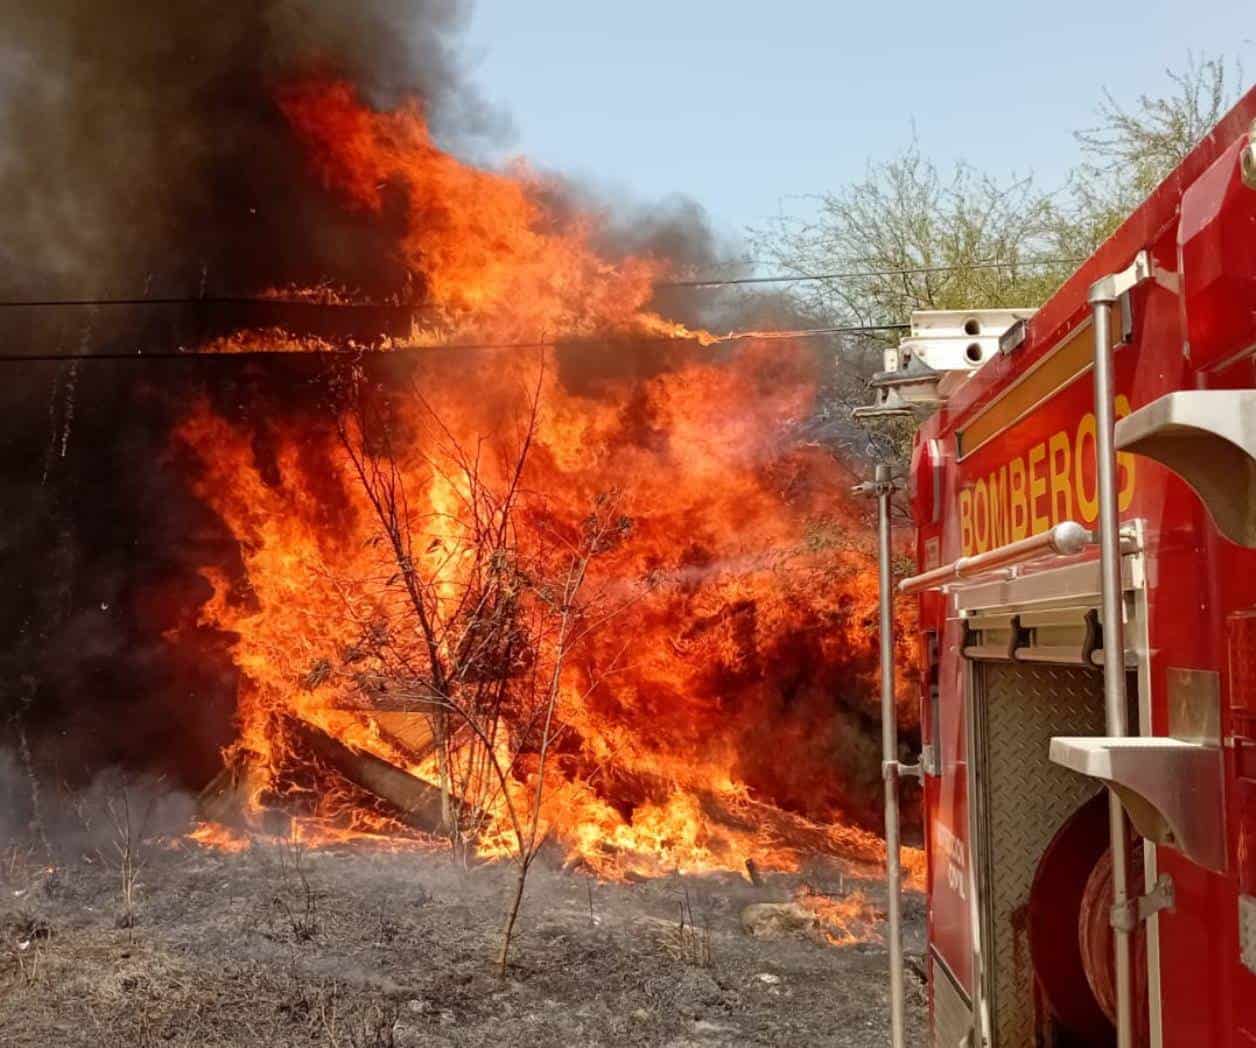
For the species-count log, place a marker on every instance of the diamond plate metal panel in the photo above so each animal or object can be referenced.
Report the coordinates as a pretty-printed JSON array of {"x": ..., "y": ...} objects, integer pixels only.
[
  {"x": 1025, "y": 799},
  {"x": 1247, "y": 931},
  {"x": 952, "y": 1018}
]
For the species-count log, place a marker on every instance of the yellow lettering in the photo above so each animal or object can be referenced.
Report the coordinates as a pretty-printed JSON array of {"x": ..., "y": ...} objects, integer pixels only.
[
  {"x": 1018, "y": 504},
  {"x": 1053, "y": 481},
  {"x": 981, "y": 516},
  {"x": 1037, "y": 489},
  {"x": 1124, "y": 461},
  {"x": 1087, "y": 501},
  {"x": 998, "y": 507},
  {"x": 1059, "y": 460}
]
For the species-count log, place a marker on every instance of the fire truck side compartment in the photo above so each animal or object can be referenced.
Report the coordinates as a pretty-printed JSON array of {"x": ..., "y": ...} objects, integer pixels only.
[{"x": 1017, "y": 708}]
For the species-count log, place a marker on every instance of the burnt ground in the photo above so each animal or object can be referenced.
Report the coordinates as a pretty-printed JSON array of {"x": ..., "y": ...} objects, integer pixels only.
[{"x": 347, "y": 948}]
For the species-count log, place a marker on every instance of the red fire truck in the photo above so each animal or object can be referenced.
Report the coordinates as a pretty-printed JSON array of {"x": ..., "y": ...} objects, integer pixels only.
[{"x": 1084, "y": 495}]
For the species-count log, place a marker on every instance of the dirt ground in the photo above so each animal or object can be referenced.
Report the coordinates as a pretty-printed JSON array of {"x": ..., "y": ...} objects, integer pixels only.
[{"x": 352, "y": 948}]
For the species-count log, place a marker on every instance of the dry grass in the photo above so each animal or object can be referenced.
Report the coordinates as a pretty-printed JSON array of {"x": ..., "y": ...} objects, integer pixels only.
[{"x": 395, "y": 963}]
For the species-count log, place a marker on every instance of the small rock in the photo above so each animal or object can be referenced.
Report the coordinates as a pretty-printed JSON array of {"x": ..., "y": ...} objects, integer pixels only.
[
  {"x": 641, "y": 1015},
  {"x": 775, "y": 920},
  {"x": 769, "y": 978},
  {"x": 696, "y": 987},
  {"x": 704, "y": 1028},
  {"x": 418, "y": 1006},
  {"x": 417, "y": 1037}
]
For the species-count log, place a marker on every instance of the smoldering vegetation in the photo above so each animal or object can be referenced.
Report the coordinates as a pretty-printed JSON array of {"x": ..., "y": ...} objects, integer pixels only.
[
  {"x": 107, "y": 662},
  {"x": 283, "y": 946},
  {"x": 144, "y": 156}
]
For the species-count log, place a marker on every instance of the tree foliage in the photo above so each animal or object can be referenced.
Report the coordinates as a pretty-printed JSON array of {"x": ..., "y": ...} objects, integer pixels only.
[
  {"x": 1131, "y": 150},
  {"x": 909, "y": 236}
]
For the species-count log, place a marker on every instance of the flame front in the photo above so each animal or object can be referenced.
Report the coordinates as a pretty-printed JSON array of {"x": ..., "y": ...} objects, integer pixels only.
[{"x": 708, "y": 712}]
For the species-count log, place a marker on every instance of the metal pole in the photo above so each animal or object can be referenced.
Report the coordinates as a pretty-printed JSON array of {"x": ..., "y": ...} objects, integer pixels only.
[
  {"x": 1102, "y": 300},
  {"x": 889, "y": 757}
]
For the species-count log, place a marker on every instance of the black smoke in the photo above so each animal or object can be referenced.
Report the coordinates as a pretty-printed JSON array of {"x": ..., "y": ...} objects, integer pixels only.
[{"x": 142, "y": 154}]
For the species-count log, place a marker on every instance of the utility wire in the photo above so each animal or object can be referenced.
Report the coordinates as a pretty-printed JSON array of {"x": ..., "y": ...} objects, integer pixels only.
[
  {"x": 917, "y": 271},
  {"x": 222, "y": 300},
  {"x": 801, "y": 278},
  {"x": 570, "y": 343}
]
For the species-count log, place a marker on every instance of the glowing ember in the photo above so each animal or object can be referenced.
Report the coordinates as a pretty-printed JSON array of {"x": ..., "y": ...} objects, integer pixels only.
[
  {"x": 708, "y": 704},
  {"x": 842, "y": 919}
]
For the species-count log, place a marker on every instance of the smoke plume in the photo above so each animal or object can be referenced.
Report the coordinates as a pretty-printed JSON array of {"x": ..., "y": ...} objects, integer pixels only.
[{"x": 143, "y": 153}]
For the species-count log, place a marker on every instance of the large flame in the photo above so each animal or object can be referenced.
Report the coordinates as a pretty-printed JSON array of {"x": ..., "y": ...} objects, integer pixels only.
[{"x": 700, "y": 723}]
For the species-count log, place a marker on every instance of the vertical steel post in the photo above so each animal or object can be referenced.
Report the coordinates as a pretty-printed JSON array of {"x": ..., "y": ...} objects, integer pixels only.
[
  {"x": 1102, "y": 298},
  {"x": 884, "y": 486}
]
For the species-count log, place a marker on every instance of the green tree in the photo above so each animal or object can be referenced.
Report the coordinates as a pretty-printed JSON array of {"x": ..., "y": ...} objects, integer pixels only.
[
  {"x": 1131, "y": 149},
  {"x": 908, "y": 237}
]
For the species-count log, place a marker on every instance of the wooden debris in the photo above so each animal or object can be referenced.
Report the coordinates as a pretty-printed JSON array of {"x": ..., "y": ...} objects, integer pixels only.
[
  {"x": 226, "y": 799},
  {"x": 417, "y": 803},
  {"x": 411, "y": 731}
]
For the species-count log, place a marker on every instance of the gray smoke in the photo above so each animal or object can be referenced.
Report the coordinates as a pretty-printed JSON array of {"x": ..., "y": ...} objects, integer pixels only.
[{"x": 141, "y": 151}]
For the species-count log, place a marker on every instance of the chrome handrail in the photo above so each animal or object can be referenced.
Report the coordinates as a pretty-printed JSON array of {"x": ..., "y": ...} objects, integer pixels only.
[
  {"x": 1105, "y": 294},
  {"x": 1065, "y": 539}
]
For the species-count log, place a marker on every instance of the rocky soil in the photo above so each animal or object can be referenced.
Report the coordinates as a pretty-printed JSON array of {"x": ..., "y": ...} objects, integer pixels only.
[{"x": 353, "y": 948}]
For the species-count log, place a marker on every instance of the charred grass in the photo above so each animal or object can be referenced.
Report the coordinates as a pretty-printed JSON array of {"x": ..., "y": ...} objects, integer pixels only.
[{"x": 349, "y": 949}]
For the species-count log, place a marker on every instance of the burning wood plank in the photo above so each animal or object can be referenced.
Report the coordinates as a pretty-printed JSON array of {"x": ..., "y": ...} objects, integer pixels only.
[
  {"x": 417, "y": 803},
  {"x": 411, "y": 731}
]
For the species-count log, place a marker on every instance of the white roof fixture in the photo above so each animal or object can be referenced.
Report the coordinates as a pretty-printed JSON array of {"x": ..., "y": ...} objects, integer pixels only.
[{"x": 945, "y": 346}]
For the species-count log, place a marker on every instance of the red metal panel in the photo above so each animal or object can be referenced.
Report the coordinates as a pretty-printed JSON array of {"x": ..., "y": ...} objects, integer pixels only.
[
  {"x": 947, "y": 804},
  {"x": 1200, "y": 586},
  {"x": 1217, "y": 251}
]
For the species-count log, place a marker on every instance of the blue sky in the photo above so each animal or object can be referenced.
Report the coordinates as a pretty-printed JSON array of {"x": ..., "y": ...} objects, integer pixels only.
[{"x": 744, "y": 105}]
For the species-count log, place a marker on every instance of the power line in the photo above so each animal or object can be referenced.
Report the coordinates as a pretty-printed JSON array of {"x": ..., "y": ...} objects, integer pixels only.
[
  {"x": 801, "y": 278},
  {"x": 221, "y": 300},
  {"x": 916, "y": 271},
  {"x": 571, "y": 343}
]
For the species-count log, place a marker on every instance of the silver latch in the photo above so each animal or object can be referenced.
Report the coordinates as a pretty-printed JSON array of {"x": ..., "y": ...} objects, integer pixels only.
[
  {"x": 893, "y": 770},
  {"x": 1128, "y": 917},
  {"x": 875, "y": 488},
  {"x": 1114, "y": 285},
  {"x": 929, "y": 762}
]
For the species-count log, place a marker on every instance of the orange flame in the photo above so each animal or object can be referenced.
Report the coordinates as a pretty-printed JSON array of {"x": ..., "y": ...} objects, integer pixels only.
[
  {"x": 700, "y": 727},
  {"x": 842, "y": 920}
]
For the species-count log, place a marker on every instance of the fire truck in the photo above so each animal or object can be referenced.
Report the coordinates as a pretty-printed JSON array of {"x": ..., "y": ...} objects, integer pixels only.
[{"x": 1083, "y": 488}]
